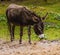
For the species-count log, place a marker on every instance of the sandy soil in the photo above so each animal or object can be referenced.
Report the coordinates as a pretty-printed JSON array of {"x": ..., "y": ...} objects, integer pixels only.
[{"x": 36, "y": 48}]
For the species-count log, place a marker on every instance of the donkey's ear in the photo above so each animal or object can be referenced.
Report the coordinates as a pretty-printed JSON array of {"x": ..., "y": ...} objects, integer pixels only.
[{"x": 43, "y": 18}]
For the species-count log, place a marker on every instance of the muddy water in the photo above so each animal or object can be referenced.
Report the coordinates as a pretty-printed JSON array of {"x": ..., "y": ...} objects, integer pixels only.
[{"x": 36, "y": 48}]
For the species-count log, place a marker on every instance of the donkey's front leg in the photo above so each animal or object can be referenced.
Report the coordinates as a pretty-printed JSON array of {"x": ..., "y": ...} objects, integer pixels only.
[
  {"x": 29, "y": 33},
  {"x": 21, "y": 34}
]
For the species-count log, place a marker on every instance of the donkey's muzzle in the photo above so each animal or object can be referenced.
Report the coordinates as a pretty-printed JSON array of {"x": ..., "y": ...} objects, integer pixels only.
[{"x": 41, "y": 36}]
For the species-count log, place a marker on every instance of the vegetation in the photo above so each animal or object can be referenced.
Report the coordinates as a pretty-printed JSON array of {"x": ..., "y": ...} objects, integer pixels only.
[{"x": 52, "y": 22}]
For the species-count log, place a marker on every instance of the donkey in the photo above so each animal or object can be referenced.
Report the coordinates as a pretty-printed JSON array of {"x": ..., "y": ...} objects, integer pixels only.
[{"x": 22, "y": 16}]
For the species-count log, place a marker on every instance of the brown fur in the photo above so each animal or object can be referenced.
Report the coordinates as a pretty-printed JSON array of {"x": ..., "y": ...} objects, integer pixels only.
[{"x": 21, "y": 16}]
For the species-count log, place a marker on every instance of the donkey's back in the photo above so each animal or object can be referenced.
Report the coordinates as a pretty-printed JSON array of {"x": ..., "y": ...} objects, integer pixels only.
[
  {"x": 20, "y": 15},
  {"x": 15, "y": 6}
]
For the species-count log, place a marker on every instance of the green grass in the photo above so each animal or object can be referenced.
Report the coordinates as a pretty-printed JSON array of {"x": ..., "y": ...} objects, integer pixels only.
[{"x": 52, "y": 32}]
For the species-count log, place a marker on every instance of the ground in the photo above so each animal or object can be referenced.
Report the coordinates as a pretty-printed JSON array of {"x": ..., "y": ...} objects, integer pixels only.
[
  {"x": 43, "y": 47},
  {"x": 52, "y": 31}
]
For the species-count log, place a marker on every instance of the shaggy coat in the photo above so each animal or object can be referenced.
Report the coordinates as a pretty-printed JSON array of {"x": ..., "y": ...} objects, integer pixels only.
[{"x": 22, "y": 16}]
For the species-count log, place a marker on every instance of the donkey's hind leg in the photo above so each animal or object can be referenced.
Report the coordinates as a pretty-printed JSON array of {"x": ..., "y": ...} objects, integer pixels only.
[
  {"x": 11, "y": 29},
  {"x": 12, "y": 32}
]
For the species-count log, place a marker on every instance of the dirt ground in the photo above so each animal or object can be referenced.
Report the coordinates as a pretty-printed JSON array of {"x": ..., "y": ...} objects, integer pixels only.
[{"x": 44, "y": 47}]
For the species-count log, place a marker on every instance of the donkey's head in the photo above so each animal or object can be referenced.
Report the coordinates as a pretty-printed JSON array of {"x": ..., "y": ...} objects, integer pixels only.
[{"x": 39, "y": 27}]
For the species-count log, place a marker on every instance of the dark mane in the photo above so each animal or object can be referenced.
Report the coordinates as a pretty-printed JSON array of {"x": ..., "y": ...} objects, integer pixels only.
[{"x": 30, "y": 13}]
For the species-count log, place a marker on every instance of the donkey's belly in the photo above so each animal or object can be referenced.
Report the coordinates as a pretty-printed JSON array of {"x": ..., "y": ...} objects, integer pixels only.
[{"x": 21, "y": 23}]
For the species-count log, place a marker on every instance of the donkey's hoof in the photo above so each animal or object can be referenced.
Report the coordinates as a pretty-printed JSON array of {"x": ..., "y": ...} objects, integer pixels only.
[
  {"x": 12, "y": 40},
  {"x": 20, "y": 42},
  {"x": 30, "y": 43}
]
